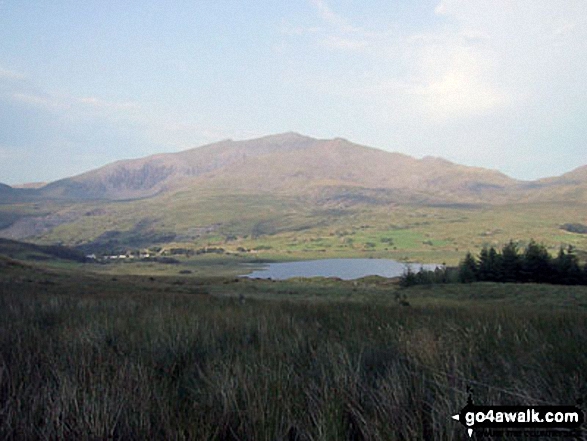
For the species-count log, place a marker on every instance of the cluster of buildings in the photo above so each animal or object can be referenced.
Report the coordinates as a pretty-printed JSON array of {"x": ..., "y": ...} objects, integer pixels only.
[{"x": 127, "y": 255}]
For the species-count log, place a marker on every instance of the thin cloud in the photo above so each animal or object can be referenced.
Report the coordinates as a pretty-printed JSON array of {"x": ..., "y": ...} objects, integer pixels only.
[
  {"x": 12, "y": 153},
  {"x": 341, "y": 34},
  {"x": 35, "y": 100},
  {"x": 456, "y": 78},
  {"x": 99, "y": 103},
  {"x": 459, "y": 93},
  {"x": 65, "y": 103},
  {"x": 564, "y": 28},
  {"x": 11, "y": 75},
  {"x": 330, "y": 17},
  {"x": 441, "y": 74}
]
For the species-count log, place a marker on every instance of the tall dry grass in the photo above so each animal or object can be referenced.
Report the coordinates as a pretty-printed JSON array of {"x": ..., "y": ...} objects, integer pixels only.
[{"x": 140, "y": 366}]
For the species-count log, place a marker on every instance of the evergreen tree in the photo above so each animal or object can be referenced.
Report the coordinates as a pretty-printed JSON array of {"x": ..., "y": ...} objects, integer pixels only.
[
  {"x": 496, "y": 265},
  {"x": 489, "y": 262},
  {"x": 468, "y": 269},
  {"x": 408, "y": 278},
  {"x": 536, "y": 264},
  {"x": 575, "y": 276},
  {"x": 566, "y": 267},
  {"x": 510, "y": 263},
  {"x": 483, "y": 269},
  {"x": 561, "y": 266}
]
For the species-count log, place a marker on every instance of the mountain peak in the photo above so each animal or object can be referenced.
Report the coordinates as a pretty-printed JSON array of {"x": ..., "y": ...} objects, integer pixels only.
[
  {"x": 435, "y": 159},
  {"x": 286, "y": 137},
  {"x": 284, "y": 161},
  {"x": 289, "y": 135}
]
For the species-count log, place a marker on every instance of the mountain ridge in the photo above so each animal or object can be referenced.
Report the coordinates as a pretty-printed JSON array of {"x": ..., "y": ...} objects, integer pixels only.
[
  {"x": 286, "y": 161},
  {"x": 151, "y": 175},
  {"x": 289, "y": 188}
]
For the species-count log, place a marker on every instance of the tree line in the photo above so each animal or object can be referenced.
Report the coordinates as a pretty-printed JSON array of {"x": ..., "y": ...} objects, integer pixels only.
[{"x": 534, "y": 264}]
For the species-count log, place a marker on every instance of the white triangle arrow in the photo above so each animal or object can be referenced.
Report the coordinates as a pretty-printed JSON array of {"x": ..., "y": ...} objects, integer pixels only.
[{"x": 456, "y": 417}]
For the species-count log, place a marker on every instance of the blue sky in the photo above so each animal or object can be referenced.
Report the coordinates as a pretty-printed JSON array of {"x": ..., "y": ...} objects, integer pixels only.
[{"x": 497, "y": 84}]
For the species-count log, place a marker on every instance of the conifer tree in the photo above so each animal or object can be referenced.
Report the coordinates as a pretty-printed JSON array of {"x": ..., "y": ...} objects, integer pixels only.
[
  {"x": 488, "y": 268},
  {"x": 536, "y": 264},
  {"x": 566, "y": 267},
  {"x": 510, "y": 263},
  {"x": 495, "y": 261},
  {"x": 468, "y": 269},
  {"x": 408, "y": 278},
  {"x": 483, "y": 269}
]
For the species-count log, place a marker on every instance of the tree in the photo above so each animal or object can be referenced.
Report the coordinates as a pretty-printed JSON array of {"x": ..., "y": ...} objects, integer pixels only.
[
  {"x": 489, "y": 265},
  {"x": 536, "y": 264},
  {"x": 566, "y": 267},
  {"x": 441, "y": 274},
  {"x": 408, "y": 278},
  {"x": 510, "y": 263},
  {"x": 496, "y": 264},
  {"x": 483, "y": 267},
  {"x": 468, "y": 269}
]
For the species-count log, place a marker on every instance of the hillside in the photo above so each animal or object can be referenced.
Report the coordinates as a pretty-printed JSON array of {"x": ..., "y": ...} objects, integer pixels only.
[
  {"x": 9, "y": 194},
  {"x": 146, "y": 177},
  {"x": 300, "y": 194},
  {"x": 331, "y": 164},
  {"x": 10, "y": 249},
  {"x": 571, "y": 186},
  {"x": 288, "y": 161},
  {"x": 298, "y": 164}
]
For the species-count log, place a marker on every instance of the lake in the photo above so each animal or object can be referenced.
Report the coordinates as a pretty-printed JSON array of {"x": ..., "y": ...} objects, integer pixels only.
[{"x": 346, "y": 269}]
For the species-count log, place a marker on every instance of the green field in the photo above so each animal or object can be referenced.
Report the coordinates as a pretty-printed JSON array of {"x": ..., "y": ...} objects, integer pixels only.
[
  {"x": 95, "y": 352},
  {"x": 289, "y": 227}
]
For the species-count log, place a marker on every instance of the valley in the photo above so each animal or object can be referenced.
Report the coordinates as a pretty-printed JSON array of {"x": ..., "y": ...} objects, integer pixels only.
[
  {"x": 293, "y": 221},
  {"x": 123, "y": 316},
  {"x": 290, "y": 196}
]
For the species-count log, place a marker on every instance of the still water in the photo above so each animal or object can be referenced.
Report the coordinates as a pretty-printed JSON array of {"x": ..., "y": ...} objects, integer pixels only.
[{"x": 346, "y": 269}]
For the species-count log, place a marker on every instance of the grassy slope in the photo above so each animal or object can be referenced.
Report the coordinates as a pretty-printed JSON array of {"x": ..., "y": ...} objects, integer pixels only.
[
  {"x": 298, "y": 197},
  {"x": 291, "y": 226},
  {"x": 85, "y": 355}
]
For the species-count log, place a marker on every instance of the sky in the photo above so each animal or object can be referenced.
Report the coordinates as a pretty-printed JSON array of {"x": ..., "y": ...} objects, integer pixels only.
[{"x": 499, "y": 84}]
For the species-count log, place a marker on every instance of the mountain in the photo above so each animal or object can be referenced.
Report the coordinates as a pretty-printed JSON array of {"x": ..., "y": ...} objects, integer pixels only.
[
  {"x": 285, "y": 186},
  {"x": 286, "y": 162},
  {"x": 571, "y": 186},
  {"x": 146, "y": 177},
  {"x": 5, "y": 189},
  {"x": 9, "y": 194},
  {"x": 33, "y": 185},
  {"x": 576, "y": 176},
  {"x": 317, "y": 168}
]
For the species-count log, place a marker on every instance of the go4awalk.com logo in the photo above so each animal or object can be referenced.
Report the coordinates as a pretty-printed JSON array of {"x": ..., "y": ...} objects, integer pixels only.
[{"x": 538, "y": 420}]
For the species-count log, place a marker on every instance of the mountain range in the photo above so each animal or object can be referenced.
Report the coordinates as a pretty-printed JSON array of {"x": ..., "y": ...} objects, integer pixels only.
[
  {"x": 285, "y": 174},
  {"x": 292, "y": 162}
]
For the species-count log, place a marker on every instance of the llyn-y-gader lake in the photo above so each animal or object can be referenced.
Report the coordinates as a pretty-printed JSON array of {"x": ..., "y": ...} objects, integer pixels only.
[{"x": 346, "y": 269}]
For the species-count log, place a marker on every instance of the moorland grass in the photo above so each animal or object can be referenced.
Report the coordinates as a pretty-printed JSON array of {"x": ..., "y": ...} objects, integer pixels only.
[
  {"x": 286, "y": 226},
  {"x": 96, "y": 358}
]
